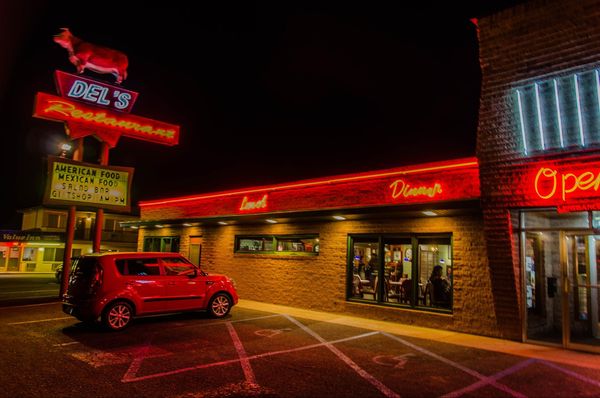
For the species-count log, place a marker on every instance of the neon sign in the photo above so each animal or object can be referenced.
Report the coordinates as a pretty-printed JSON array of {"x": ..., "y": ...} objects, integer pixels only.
[
  {"x": 78, "y": 115},
  {"x": 427, "y": 183},
  {"x": 549, "y": 182},
  {"x": 401, "y": 188},
  {"x": 95, "y": 92},
  {"x": 251, "y": 205},
  {"x": 560, "y": 113}
]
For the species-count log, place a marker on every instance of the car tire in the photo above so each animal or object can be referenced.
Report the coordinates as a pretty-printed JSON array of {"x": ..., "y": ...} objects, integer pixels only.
[
  {"x": 219, "y": 305},
  {"x": 117, "y": 315}
]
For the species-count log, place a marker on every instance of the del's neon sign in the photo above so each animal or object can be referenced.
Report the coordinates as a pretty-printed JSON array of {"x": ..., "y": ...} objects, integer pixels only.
[{"x": 550, "y": 183}]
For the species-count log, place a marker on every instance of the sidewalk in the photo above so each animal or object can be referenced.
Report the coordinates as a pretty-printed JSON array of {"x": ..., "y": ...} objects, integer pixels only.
[{"x": 554, "y": 354}]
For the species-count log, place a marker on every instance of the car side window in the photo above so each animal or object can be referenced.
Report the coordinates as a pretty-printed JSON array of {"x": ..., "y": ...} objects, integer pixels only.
[
  {"x": 177, "y": 266},
  {"x": 138, "y": 266}
]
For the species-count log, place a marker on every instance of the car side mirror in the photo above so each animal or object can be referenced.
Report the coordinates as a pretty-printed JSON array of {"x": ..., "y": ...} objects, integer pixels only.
[{"x": 193, "y": 274}]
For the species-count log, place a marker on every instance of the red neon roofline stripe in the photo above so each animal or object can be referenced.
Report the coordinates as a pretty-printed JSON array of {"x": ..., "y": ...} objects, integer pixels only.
[{"x": 463, "y": 163}]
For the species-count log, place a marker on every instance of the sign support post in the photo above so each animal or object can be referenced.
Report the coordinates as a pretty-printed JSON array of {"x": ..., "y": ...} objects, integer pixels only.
[
  {"x": 99, "y": 210},
  {"x": 64, "y": 283}
]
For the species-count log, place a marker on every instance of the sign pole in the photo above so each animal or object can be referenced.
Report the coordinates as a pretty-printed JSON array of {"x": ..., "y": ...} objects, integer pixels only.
[
  {"x": 100, "y": 211},
  {"x": 64, "y": 283}
]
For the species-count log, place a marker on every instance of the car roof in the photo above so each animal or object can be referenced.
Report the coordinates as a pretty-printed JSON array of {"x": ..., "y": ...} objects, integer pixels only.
[{"x": 133, "y": 254}]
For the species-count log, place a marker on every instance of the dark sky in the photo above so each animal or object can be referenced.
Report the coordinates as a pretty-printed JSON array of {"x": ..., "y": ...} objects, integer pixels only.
[{"x": 264, "y": 92}]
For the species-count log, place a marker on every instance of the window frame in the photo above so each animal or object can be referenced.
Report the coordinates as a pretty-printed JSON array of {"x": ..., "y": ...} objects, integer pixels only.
[
  {"x": 275, "y": 238},
  {"x": 162, "y": 243},
  {"x": 416, "y": 239}
]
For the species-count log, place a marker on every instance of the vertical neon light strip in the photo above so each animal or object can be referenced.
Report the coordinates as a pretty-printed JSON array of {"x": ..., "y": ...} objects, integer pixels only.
[
  {"x": 579, "y": 110},
  {"x": 560, "y": 128},
  {"x": 522, "y": 122},
  {"x": 539, "y": 116}
]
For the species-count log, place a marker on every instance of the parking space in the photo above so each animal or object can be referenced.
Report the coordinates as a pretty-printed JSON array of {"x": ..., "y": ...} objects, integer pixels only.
[{"x": 262, "y": 353}]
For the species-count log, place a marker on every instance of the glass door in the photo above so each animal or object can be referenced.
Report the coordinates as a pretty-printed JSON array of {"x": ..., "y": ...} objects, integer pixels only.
[
  {"x": 542, "y": 286},
  {"x": 582, "y": 298}
]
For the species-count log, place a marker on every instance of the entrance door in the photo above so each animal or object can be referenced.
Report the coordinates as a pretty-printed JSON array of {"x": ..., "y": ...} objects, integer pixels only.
[
  {"x": 582, "y": 297},
  {"x": 542, "y": 287}
]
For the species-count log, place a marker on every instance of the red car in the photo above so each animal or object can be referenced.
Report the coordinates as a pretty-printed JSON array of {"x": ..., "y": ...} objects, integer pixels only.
[{"x": 115, "y": 287}]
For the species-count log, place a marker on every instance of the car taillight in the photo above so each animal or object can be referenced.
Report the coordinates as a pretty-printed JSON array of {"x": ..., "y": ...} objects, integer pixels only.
[{"x": 96, "y": 280}]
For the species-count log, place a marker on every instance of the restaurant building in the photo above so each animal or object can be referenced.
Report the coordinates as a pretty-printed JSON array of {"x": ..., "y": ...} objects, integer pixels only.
[
  {"x": 538, "y": 146},
  {"x": 514, "y": 230},
  {"x": 364, "y": 244}
]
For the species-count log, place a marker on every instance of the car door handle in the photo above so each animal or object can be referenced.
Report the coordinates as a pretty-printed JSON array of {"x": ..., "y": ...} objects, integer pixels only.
[{"x": 171, "y": 283}]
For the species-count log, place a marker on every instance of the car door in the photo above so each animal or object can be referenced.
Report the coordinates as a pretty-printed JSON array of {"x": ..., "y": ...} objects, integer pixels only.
[
  {"x": 143, "y": 280},
  {"x": 184, "y": 284}
]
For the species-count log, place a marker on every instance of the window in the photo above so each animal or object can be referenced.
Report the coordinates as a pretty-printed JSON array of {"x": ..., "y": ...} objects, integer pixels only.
[
  {"x": 54, "y": 220},
  {"x": 178, "y": 266},
  {"x": 411, "y": 270},
  {"x": 297, "y": 244},
  {"x": 30, "y": 254},
  {"x": 161, "y": 244},
  {"x": 54, "y": 253},
  {"x": 138, "y": 266}
]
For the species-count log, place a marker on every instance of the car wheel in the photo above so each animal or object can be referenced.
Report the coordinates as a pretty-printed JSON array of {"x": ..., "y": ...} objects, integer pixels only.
[
  {"x": 117, "y": 315},
  {"x": 219, "y": 305}
]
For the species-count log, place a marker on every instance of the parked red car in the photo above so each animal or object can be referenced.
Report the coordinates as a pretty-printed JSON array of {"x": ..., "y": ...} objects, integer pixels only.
[{"x": 115, "y": 287}]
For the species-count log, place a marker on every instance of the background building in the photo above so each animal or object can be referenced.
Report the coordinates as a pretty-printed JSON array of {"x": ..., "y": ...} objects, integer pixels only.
[{"x": 39, "y": 245}]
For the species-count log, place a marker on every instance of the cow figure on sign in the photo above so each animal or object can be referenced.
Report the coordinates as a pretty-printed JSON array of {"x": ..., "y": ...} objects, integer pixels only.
[{"x": 87, "y": 55}]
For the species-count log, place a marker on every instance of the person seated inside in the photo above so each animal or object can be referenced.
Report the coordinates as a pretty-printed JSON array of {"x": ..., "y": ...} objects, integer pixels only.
[{"x": 440, "y": 288}]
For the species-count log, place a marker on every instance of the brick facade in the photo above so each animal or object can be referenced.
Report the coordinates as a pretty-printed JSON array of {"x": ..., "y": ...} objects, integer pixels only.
[
  {"x": 536, "y": 40},
  {"x": 319, "y": 282}
]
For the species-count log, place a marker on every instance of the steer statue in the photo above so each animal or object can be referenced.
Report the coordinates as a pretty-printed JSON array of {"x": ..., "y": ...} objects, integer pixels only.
[{"x": 87, "y": 55}]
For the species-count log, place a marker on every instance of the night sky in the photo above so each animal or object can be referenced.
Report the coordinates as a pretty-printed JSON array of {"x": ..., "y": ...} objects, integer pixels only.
[{"x": 264, "y": 92}]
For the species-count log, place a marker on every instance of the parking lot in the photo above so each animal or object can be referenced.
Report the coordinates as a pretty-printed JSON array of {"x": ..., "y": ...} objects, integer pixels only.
[{"x": 254, "y": 352}]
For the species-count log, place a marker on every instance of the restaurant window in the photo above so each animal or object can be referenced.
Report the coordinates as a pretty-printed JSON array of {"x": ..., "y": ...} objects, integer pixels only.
[
  {"x": 303, "y": 244},
  {"x": 405, "y": 270},
  {"x": 161, "y": 244}
]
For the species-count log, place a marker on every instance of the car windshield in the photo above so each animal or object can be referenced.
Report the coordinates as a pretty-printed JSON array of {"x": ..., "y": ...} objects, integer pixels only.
[{"x": 84, "y": 268}]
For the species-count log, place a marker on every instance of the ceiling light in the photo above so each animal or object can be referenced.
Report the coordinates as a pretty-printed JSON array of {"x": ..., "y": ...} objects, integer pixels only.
[
  {"x": 430, "y": 213},
  {"x": 271, "y": 221},
  {"x": 159, "y": 226},
  {"x": 222, "y": 223},
  {"x": 341, "y": 218},
  {"x": 187, "y": 224},
  {"x": 133, "y": 227}
]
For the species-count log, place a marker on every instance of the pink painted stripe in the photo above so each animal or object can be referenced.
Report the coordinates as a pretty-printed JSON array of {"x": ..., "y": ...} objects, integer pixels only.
[
  {"x": 385, "y": 390},
  {"x": 244, "y": 361}
]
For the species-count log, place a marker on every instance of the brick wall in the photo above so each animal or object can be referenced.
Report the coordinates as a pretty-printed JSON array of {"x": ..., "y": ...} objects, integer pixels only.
[
  {"x": 518, "y": 45},
  {"x": 319, "y": 282}
]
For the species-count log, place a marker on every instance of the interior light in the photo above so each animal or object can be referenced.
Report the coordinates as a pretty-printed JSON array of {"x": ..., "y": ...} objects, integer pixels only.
[
  {"x": 430, "y": 213},
  {"x": 222, "y": 223},
  {"x": 271, "y": 221},
  {"x": 341, "y": 218}
]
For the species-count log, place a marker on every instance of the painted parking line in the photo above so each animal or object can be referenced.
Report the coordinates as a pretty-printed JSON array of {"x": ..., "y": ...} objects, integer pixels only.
[
  {"x": 571, "y": 373},
  {"x": 353, "y": 365},
  {"x": 132, "y": 377},
  {"x": 244, "y": 361},
  {"x": 40, "y": 320},
  {"x": 487, "y": 380},
  {"x": 27, "y": 305}
]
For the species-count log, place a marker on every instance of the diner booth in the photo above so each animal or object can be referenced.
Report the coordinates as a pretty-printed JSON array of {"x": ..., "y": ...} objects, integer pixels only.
[{"x": 403, "y": 244}]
